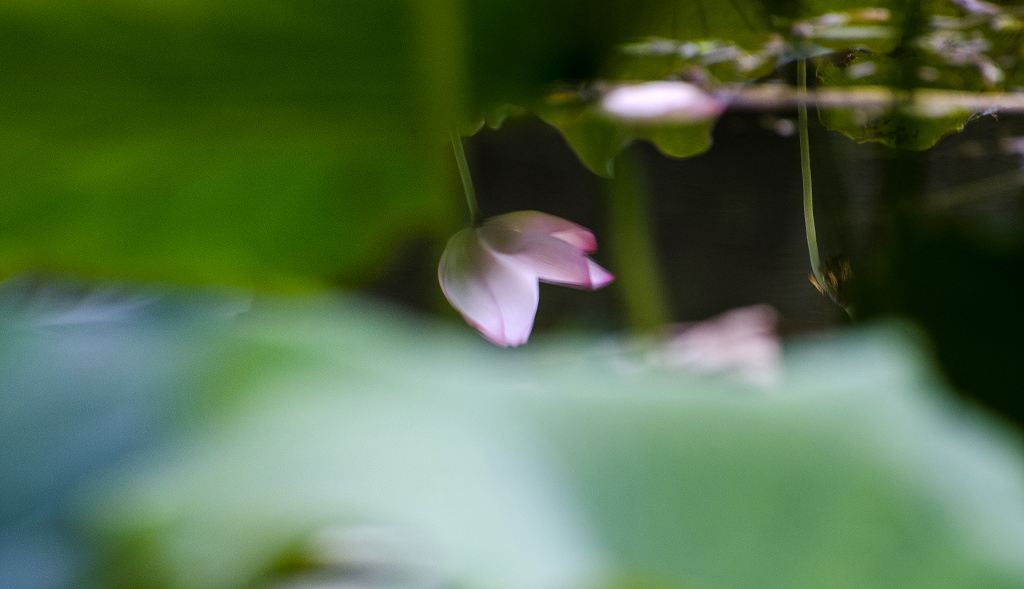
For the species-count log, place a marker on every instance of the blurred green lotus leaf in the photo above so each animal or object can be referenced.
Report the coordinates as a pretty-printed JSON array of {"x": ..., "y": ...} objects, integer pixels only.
[
  {"x": 597, "y": 138},
  {"x": 572, "y": 463},
  {"x": 905, "y": 127},
  {"x": 269, "y": 143},
  {"x": 901, "y": 129}
]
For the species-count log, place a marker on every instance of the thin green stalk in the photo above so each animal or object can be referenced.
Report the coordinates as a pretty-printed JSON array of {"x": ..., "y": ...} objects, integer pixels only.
[
  {"x": 805, "y": 172},
  {"x": 467, "y": 180},
  {"x": 633, "y": 250}
]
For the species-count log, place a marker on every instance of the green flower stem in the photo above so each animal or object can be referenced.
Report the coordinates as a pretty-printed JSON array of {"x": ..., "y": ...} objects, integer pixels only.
[
  {"x": 467, "y": 180},
  {"x": 805, "y": 172},
  {"x": 633, "y": 252}
]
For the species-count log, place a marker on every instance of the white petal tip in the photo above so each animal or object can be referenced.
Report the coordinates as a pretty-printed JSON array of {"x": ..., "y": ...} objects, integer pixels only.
[
  {"x": 503, "y": 340},
  {"x": 496, "y": 338},
  {"x": 599, "y": 277},
  {"x": 498, "y": 341},
  {"x": 514, "y": 343}
]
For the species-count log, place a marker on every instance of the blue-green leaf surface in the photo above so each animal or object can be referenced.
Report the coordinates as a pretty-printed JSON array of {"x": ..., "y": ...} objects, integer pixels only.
[{"x": 574, "y": 462}]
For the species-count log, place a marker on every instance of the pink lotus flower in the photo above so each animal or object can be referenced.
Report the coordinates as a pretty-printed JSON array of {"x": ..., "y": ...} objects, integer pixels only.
[{"x": 490, "y": 273}]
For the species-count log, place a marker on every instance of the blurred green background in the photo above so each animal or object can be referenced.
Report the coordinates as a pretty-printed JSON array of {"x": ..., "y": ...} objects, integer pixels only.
[{"x": 225, "y": 361}]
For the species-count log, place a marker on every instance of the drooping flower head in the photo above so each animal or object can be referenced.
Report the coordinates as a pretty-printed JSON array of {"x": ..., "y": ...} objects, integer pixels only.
[{"x": 490, "y": 273}]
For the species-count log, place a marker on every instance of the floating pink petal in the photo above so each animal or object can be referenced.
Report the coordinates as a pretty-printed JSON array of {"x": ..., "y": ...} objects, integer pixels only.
[
  {"x": 741, "y": 343},
  {"x": 490, "y": 273},
  {"x": 677, "y": 101}
]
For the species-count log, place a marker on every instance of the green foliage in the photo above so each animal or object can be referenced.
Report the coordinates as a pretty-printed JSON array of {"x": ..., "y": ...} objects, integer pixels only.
[
  {"x": 519, "y": 47},
  {"x": 256, "y": 143},
  {"x": 749, "y": 22},
  {"x": 948, "y": 49},
  {"x": 746, "y": 22},
  {"x": 598, "y": 138},
  {"x": 294, "y": 142},
  {"x": 635, "y": 255},
  {"x": 570, "y": 464},
  {"x": 273, "y": 143},
  {"x": 902, "y": 127}
]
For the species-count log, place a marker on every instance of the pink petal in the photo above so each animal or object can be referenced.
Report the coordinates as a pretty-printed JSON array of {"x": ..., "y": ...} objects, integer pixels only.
[
  {"x": 663, "y": 99},
  {"x": 517, "y": 295},
  {"x": 599, "y": 277},
  {"x": 498, "y": 299},
  {"x": 549, "y": 259},
  {"x": 536, "y": 222},
  {"x": 741, "y": 341}
]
